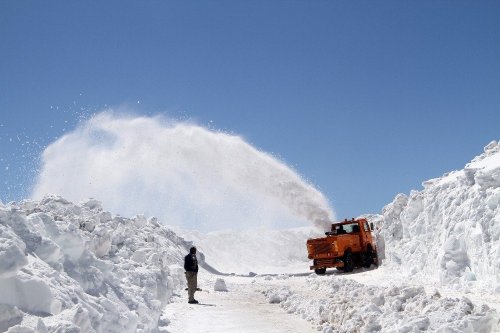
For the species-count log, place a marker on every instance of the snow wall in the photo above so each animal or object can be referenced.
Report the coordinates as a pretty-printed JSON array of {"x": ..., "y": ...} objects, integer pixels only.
[
  {"x": 77, "y": 268},
  {"x": 449, "y": 231}
]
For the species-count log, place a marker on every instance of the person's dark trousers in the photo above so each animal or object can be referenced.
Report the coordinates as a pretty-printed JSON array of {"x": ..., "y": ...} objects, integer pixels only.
[{"x": 192, "y": 282}]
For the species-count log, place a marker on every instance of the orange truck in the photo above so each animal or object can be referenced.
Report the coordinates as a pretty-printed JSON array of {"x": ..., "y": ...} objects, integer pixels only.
[{"x": 348, "y": 244}]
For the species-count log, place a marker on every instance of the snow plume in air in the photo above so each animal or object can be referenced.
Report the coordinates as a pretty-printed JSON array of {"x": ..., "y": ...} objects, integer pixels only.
[{"x": 184, "y": 174}]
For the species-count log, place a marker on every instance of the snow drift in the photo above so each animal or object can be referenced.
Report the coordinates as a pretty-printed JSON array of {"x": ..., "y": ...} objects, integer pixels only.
[
  {"x": 71, "y": 268},
  {"x": 449, "y": 231},
  {"x": 184, "y": 174}
]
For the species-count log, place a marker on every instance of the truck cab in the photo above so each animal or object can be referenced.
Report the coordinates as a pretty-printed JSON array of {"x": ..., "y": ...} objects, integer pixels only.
[{"x": 349, "y": 243}]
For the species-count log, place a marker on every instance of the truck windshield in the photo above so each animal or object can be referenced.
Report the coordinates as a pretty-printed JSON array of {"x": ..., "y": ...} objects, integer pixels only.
[{"x": 347, "y": 228}]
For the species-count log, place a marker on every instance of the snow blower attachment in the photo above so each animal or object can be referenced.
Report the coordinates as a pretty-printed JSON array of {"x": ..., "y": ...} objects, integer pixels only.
[{"x": 349, "y": 243}]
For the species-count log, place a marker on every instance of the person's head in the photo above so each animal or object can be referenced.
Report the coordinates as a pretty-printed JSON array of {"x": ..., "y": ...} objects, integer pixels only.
[{"x": 192, "y": 250}]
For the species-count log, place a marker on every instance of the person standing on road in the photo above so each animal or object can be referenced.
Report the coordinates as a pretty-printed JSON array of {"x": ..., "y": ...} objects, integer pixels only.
[{"x": 191, "y": 267}]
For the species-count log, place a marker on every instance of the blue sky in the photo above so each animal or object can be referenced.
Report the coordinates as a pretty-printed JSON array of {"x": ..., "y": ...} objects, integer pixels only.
[{"x": 364, "y": 99}]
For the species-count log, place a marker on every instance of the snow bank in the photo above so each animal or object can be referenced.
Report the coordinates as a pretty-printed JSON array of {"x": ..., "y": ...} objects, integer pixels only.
[
  {"x": 343, "y": 305},
  {"x": 450, "y": 231},
  {"x": 67, "y": 267}
]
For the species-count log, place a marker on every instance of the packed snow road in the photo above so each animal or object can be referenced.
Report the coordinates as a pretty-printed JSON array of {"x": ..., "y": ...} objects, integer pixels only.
[{"x": 243, "y": 308}]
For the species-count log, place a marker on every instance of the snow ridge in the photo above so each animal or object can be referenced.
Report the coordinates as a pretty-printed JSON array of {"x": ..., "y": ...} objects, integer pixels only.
[
  {"x": 449, "y": 231},
  {"x": 67, "y": 267}
]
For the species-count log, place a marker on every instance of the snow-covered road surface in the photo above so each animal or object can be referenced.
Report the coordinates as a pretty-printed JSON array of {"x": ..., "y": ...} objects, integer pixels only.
[{"x": 243, "y": 308}]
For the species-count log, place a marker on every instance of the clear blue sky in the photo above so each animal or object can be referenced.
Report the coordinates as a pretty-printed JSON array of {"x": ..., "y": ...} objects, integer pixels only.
[{"x": 365, "y": 99}]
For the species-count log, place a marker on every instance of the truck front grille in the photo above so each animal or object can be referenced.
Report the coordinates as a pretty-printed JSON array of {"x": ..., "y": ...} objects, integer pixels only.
[{"x": 322, "y": 248}]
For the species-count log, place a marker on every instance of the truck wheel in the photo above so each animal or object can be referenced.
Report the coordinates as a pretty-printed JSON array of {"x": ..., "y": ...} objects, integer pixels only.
[
  {"x": 320, "y": 271},
  {"x": 368, "y": 258},
  {"x": 348, "y": 263}
]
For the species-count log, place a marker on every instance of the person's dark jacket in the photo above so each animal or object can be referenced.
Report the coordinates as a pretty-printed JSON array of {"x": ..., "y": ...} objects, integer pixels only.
[{"x": 191, "y": 263}]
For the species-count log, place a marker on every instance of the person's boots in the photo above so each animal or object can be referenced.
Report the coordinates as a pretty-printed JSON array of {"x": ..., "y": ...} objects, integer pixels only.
[{"x": 193, "y": 302}]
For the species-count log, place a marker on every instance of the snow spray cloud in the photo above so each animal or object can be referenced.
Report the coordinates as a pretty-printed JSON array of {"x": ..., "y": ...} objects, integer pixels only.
[{"x": 184, "y": 174}]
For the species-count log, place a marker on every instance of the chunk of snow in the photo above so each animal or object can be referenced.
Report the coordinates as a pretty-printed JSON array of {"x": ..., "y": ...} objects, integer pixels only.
[
  {"x": 29, "y": 293},
  {"x": 21, "y": 329},
  {"x": 9, "y": 316},
  {"x": 278, "y": 295},
  {"x": 12, "y": 257},
  {"x": 220, "y": 285}
]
